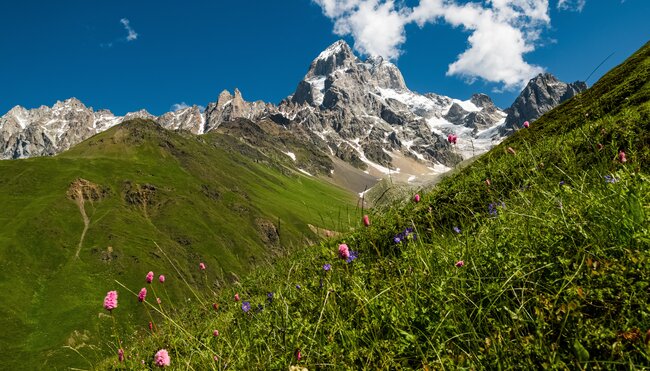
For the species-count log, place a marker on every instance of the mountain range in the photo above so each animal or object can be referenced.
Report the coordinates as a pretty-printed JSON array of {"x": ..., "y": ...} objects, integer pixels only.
[{"x": 359, "y": 111}]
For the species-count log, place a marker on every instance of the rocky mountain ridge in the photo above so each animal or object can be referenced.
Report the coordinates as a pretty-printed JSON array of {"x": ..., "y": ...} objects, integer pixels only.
[
  {"x": 541, "y": 94},
  {"x": 360, "y": 111}
]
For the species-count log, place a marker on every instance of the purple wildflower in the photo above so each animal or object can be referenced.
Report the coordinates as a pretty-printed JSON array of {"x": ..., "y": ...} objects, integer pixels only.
[
  {"x": 246, "y": 306},
  {"x": 298, "y": 287},
  {"x": 353, "y": 255},
  {"x": 610, "y": 179},
  {"x": 269, "y": 297},
  {"x": 402, "y": 236},
  {"x": 457, "y": 230},
  {"x": 327, "y": 267}
]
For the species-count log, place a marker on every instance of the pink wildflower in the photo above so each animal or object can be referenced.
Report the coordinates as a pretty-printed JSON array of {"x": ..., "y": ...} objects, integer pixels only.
[
  {"x": 215, "y": 333},
  {"x": 298, "y": 354},
  {"x": 621, "y": 157},
  {"x": 110, "y": 301},
  {"x": 161, "y": 359},
  {"x": 150, "y": 326},
  {"x": 416, "y": 198},
  {"x": 237, "y": 297},
  {"x": 120, "y": 355},
  {"x": 366, "y": 220},
  {"x": 149, "y": 277},
  {"x": 161, "y": 278},
  {"x": 344, "y": 252},
  {"x": 142, "y": 295},
  {"x": 216, "y": 358},
  {"x": 526, "y": 124},
  {"x": 202, "y": 266},
  {"x": 158, "y": 300},
  {"x": 460, "y": 263}
]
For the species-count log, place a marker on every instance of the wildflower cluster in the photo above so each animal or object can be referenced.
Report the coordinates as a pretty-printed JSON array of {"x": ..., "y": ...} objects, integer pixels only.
[
  {"x": 405, "y": 236},
  {"x": 493, "y": 208}
]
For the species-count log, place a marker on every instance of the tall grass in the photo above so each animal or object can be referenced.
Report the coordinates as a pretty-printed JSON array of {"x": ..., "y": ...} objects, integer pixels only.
[{"x": 555, "y": 268}]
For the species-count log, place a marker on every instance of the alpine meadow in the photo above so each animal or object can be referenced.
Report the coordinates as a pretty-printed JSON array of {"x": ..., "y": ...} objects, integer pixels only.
[{"x": 398, "y": 185}]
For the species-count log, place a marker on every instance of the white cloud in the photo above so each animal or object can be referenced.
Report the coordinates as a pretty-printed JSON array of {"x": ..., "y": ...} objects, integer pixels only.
[
  {"x": 132, "y": 34},
  {"x": 179, "y": 106},
  {"x": 500, "y": 35},
  {"x": 183, "y": 105},
  {"x": 573, "y": 5},
  {"x": 377, "y": 28},
  {"x": 501, "y": 32},
  {"x": 336, "y": 8}
]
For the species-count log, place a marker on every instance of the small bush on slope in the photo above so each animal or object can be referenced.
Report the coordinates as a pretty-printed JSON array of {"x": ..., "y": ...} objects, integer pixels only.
[{"x": 555, "y": 273}]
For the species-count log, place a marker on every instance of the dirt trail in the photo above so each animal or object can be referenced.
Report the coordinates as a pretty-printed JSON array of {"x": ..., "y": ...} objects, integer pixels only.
[
  {"x": 79, "y": 200},
  {"x": 79, "y": 191}
]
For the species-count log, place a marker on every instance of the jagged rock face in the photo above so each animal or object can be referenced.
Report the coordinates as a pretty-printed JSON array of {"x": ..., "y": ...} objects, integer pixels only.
[
  {"x": 229, "y": 107},
  {"x": 190, "y": 119},
  {"x": 541, "y": 94},
  {"x": 46, "y": 131},
  {"x": 366, "y": 107}
]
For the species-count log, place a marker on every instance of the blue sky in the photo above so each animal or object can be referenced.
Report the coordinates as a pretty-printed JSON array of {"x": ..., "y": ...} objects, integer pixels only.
[{"x": 191, "y": 50}]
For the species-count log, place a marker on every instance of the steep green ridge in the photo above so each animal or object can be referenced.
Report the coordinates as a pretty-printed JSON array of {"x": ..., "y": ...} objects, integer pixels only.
[
  {"x": 555, "y": 269},
  {"x": 211, "y": 198}
]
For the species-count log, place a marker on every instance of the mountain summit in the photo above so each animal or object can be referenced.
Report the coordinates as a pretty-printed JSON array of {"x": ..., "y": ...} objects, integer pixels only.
[{"x": 541, "y": 94}]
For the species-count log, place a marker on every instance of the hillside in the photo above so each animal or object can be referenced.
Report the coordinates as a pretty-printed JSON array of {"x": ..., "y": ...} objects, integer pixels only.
[
  {"x": 73, "y": 223},
  {"x": 535, "y": 255}
]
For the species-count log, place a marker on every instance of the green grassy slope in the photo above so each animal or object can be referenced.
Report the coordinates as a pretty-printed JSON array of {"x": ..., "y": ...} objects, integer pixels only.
[
  {"x": 209, "y": 199},
  {"x": 555, "y": 273}
]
